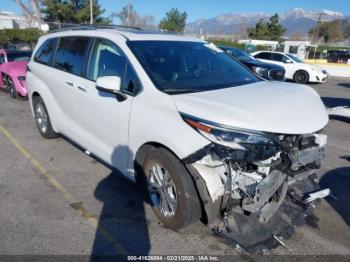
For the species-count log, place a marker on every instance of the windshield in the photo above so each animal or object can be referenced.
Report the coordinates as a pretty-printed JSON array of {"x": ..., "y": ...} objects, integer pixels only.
[
  {"x": 184, "y": 67},
  {"x": 19, "y": 56},
  {"x": 240, "y": 54},
  {"x": 294, "y": 58}
]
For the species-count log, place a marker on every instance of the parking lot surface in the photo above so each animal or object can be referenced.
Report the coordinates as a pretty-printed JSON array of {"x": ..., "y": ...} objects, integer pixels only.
[{"x": 54, "y": 199}]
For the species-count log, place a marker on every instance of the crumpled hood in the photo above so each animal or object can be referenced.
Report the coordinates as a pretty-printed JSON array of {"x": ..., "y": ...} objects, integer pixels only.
[
  {"x": 15, "y": 68},
  {"x": 276, "y": 107}
]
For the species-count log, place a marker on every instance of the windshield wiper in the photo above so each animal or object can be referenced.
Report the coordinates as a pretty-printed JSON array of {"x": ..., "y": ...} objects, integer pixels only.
[{"x": 180, "y": 91}]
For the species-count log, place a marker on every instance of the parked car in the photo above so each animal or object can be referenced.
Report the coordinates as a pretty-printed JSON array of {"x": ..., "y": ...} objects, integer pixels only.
[
  {"x": 13, "y": 71},
  {"x": 204, "y": 135},
  {"x": 338, "y": 56},
  {"x": 267, "y": 71},
  {"x": 296, "y": 69}
]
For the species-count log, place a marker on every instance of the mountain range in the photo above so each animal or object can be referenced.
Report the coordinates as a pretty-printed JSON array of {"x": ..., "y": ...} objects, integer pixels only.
[{"x": 296, "y": 21}]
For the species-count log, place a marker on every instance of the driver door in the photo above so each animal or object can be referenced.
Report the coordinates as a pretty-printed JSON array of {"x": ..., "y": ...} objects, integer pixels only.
[{"x": 105, "y": 120}]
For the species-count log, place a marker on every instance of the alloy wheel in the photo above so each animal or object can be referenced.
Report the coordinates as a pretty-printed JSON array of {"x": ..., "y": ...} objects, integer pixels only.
[
  {"x": 162, "y": 190},
  {"x": 41, "y": 117}
]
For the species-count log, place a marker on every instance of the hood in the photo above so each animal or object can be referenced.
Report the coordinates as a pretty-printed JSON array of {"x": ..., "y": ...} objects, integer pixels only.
[
  {"x": 16, "y": 68},
  {"x": 275, "y": 107},
  {"x": 316, "y": 67},
  {"x": 255, "y": 62}
]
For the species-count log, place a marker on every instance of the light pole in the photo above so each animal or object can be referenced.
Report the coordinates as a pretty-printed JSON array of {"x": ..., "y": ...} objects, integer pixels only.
[{"x": 91, "y": 14}]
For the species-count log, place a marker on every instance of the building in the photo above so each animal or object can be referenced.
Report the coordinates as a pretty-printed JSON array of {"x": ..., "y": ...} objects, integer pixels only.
[
  {"x": 9, "y": 20},
  {"x": 272, "y": 45}
]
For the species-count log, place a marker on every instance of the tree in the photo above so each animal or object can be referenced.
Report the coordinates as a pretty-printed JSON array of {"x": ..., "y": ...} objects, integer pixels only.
[
  {"x": 72, "y": 11},
  {"x": 274, "y": 28},
  {"x": 331, "y": 31},
  {"x": 260, "y": 31},
  {"x": 31, "y": 11},
  {"x": 14, "y": 36},
  {"x": 270, "y": 30},
  {"x": 174, "y": 21},
  {"x": 129, "y": 17}
]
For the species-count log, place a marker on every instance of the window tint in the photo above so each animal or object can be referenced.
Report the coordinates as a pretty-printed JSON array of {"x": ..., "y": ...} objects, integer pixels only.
[
  {"x": 279, "y": 58},
  {"x": 131, "y": 83},
  {"x": 71, "y": 54},
  {"x": 45, "y": 51},
  {"x": 2, "y": 59},
  {"x": 106, "y": 60},
  {"x": 264, "y": 55}
]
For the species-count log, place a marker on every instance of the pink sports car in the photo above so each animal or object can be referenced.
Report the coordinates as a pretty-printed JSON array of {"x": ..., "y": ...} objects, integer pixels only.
[{"x": 13, "y": 71}]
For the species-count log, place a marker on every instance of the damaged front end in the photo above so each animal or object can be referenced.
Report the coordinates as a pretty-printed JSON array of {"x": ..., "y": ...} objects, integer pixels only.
[{"x": 256, "y": 187}]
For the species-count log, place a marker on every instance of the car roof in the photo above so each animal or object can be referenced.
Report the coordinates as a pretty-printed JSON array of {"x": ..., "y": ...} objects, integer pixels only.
[{"x": 132, "y": 34}]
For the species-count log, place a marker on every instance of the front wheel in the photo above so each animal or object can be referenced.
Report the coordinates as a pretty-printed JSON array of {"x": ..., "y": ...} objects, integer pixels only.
[
  {"x": 11, "y": 88},
  {"x": 301, "y": 77},
  {"x": 42, "y": 118},
  {"x": 171, "y": 190},
  {"x": 5, "y": 82}
]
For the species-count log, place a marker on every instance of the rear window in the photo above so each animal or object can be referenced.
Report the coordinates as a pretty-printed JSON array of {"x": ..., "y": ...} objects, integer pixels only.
[
  {"x": 45, "y": 51},
  {"x": 19, "y": 56},
  {"x": 71, "y": 54}
]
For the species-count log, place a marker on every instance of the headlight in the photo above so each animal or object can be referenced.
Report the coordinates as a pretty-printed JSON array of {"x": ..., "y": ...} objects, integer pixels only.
[
  {"x": 260, "y": 70},
  {"x": 22, "y": 80},
  {"x": 236, "y": 139}
]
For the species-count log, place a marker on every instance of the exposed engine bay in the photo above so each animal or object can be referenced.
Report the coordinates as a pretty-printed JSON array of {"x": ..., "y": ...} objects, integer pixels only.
[{"x": 255, "y": 196}]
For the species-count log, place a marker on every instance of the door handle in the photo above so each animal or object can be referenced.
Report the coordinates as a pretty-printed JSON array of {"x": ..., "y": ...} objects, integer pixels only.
[
  {"x": 81, "y": 88},
  {"x": 70, "y": 83}
]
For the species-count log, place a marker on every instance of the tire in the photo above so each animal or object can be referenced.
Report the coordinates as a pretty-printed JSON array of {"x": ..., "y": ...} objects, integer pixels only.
[
  {"x": 187, "y": 206},
  {"x": 5, "y": 82},
  {"x": 301, "y": 77},
  {"x": 11, "y": 88},
  {"x": 42, "y": 119}
]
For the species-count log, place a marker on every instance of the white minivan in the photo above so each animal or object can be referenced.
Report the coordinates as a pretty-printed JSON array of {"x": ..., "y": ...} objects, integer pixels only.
[{"x": 205, "y": 137}]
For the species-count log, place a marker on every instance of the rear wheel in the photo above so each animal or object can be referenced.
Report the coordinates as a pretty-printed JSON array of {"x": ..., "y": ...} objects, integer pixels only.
[
  {"x": 42, "y": 118},
  {"x": 301, "y": 77},
  {"x": 171, "y": 190}
]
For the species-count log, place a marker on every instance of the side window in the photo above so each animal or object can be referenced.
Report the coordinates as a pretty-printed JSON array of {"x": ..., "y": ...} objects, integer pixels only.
[
  {"x": 45, "y": 51},
  {"x": 264, "y": 55},
  {"x": 71, "y": 54},
  {"x": 131, "y": 84},
  {"x": 106, "y": 60},
  {"x": 279, "y": 58},
  {"x": 2, "y": 59}
]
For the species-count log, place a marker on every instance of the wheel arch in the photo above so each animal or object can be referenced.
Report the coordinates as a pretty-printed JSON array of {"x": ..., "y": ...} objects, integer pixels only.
[{"x": 198, "y": 181}]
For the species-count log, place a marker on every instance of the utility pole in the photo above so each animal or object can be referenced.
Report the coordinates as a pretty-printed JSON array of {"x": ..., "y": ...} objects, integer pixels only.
[
  {"x": 91, "y": 14},
  {"x": 318, "y": 27},
  {"x": 317, "y": 31}
]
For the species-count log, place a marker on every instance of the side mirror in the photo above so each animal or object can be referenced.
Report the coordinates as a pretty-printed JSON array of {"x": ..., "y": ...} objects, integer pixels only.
[
  {"x": 288, "y": 61},
  {"x": 110, "y": 85}
]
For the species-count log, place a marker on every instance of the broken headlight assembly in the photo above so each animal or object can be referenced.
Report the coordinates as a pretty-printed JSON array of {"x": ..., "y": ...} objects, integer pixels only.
[{"x": 235, "y": 143}]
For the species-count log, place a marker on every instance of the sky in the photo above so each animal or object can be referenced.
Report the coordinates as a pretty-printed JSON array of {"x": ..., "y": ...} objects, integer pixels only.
[{"x": 197, "y": 9}]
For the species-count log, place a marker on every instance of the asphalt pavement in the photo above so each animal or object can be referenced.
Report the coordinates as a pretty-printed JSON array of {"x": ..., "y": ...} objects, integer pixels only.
[{"x": 56, "y": 200}]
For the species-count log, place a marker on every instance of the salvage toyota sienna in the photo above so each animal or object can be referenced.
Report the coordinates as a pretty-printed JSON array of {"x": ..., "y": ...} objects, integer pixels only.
[{"x": 205, "y": 137}]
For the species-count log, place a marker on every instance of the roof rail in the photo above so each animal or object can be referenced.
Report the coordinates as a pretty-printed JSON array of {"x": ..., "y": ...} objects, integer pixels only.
[{"x": 95, "y": 27}]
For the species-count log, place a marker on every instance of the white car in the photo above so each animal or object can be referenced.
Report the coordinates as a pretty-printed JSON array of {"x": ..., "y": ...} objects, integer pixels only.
[
  {"x": 202, "y": 134},
  {"x": 296, "y": 69}
]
